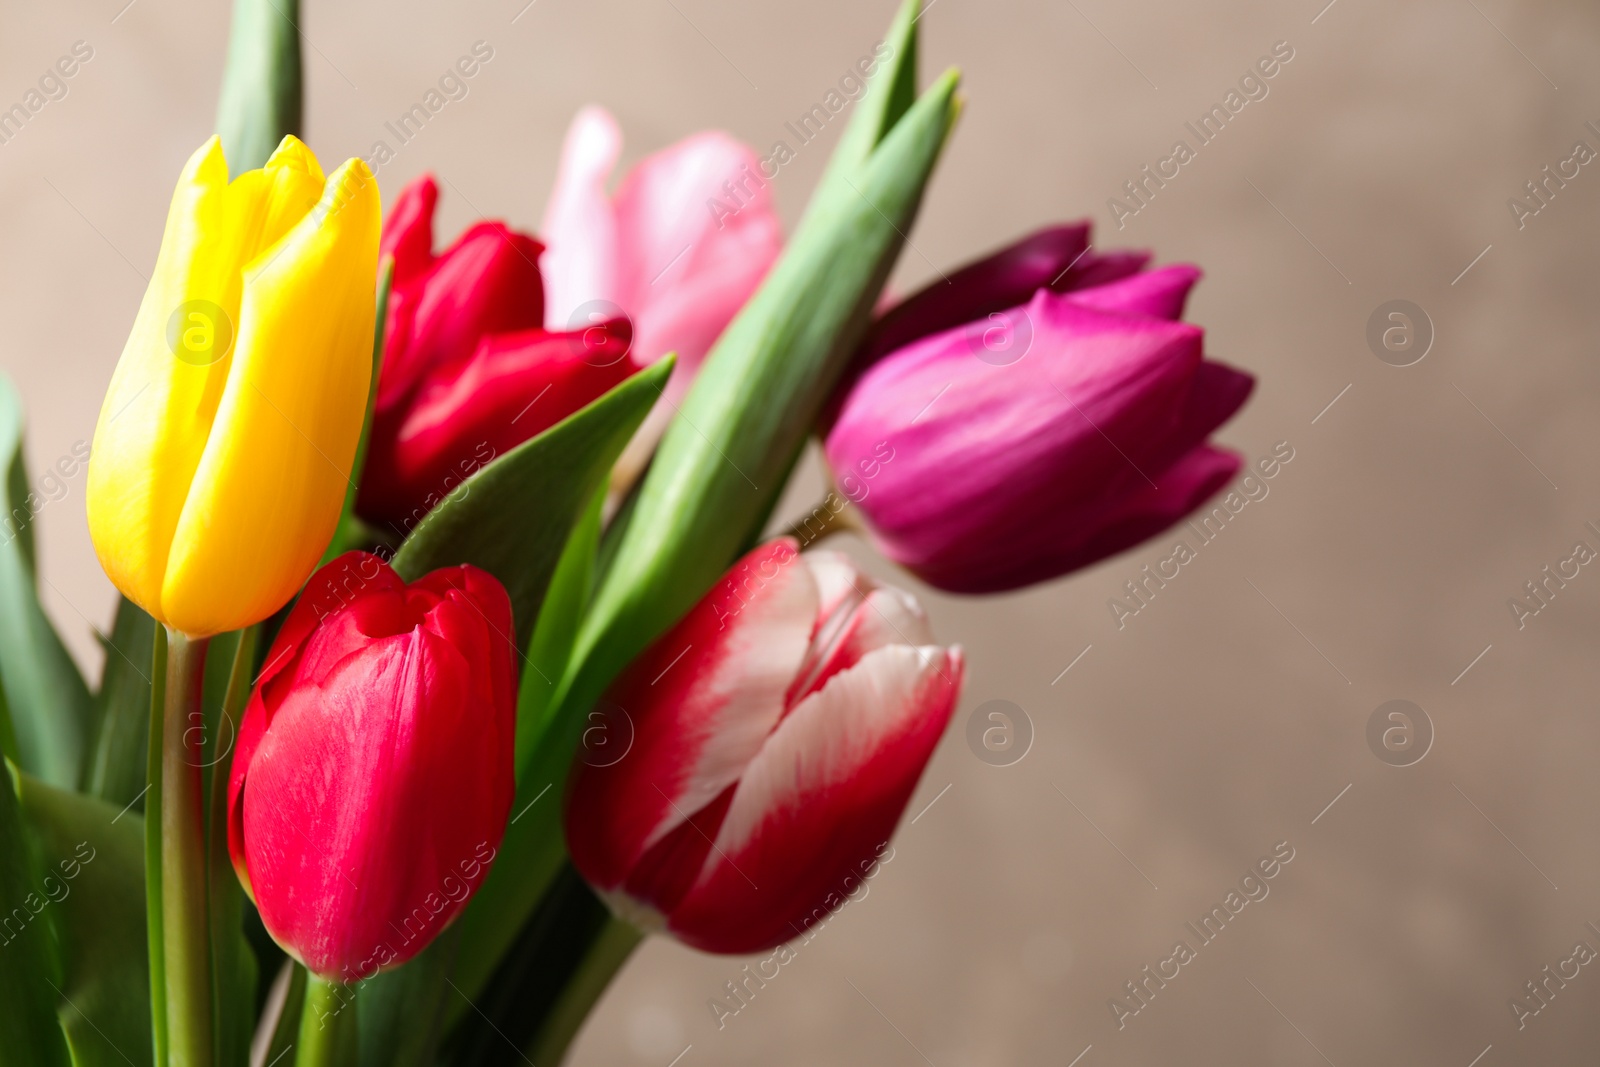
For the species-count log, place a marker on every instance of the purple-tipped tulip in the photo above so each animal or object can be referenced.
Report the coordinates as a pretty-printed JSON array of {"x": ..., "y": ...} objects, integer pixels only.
[{"x": 993, "y": 441}]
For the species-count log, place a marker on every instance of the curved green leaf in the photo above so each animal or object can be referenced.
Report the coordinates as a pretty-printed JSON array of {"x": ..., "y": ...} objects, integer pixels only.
[
  {"x": 48, "y": 703},
  {"x": 121, "y": 720},
  {"x": 30, "y": 957},
  {"x": 261, "y": 94},
  {"x": 95, "y": 854}
]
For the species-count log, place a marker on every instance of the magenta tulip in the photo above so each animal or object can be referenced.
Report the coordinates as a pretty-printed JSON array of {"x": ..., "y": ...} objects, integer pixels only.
[
  {"x": 777, "y": 733},
  {"x": 373, "y": 774},
  {"x": 1029, "y": 440}
]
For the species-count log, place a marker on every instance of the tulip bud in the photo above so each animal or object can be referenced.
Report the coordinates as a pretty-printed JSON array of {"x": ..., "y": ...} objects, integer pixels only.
[
  {"x": 373, "y": 773},
  {"x": 773, "y": 738},
  {"x": 1024, "y": 443},
  {"x": 223, "y": 451},
  {"x": 469, "y": 372}
]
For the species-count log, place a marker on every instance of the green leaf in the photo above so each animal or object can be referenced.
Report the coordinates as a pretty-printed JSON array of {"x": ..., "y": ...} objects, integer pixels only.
[
  {"x": 233, "y": 964},
  {"x": 96, "y": 854},
  {"x": 121, "y": 717},
  {"x": 30, "y": 1035},
  {"x": 484, "y": 936},
  {"x": 261, "y": 95},
  {"x": 551, "y": 647},
  {"x": 46, "y": 700},
  {"x": 512, "y": 517}
]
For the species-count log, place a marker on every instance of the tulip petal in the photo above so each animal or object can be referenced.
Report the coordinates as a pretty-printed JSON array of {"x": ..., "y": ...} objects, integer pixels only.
[
  {"x": 1100, "y": 268},
  {"x": 701, "y": 700},
  {"x": 1137, "y": 516},
  {"x": 693, "y": 253},
  {"x": 820, "y": 800},
  {"x": 487, "y": 282},
  {"x": 580, "y": 227},
  {"x": 158, "y": 409},
  {"x": 408, "y": 233},
  {"x": 356, "y": 803},
  {"x": 296, "y": 392},
  {"x": 1006, "y": 278},
  {"x": 857, "y": 616},
  {"x": 1159, "y": 293},
  {"x": 515, "y": 386}
]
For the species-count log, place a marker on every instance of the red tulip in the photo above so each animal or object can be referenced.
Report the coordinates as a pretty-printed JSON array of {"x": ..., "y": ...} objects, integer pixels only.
[
  {"x": 469, "y": 372},
  {"x": 777, "y": 733},
  {"x": 993, "y": 441},
  {"x": 374, "y": 769}
]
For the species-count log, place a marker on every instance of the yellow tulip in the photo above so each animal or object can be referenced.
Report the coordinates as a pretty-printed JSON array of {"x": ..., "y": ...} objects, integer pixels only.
[{"x": 224, "y": 446}]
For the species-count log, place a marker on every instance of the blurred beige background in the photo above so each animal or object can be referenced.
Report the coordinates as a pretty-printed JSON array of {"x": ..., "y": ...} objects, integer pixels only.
[{"x": 1225, "y": 717}]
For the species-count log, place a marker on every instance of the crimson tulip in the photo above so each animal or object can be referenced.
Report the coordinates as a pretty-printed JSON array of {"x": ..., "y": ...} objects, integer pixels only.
[
  {"x": 374, "y": 769},
  {"x": 1001, "y": 441},
  {"x": 777, "y": 733},
  {"x": 469, "y": 372}
]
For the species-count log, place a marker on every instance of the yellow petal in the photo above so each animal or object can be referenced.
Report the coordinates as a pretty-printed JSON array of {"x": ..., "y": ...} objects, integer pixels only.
[
  {"x": 269, "y": 487},
  {"x": 158, "y": 410}
]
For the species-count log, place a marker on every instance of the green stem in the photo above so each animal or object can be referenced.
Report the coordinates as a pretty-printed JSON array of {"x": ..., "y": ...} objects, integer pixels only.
[
  {"x": 152, "y": 852},
  {"x": 328, "y": 1031},
  {"x": 613, "y": 943},
  {"x": 185, "y": 934},
  {"x": 224, "y": 896}
]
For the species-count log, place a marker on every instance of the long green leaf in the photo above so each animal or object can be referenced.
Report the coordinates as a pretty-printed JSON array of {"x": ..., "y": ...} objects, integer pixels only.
[
  {"x": 95, "y": 852},
  {"x": 261, "y": 87},
  {"x": 47, "y": 702},
  {"x": 31, "y": 970},
  {"x": 121, "y": 720}
]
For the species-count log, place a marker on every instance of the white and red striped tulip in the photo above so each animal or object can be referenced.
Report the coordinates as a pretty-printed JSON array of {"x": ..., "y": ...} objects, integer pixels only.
[{"x": 778, "y": 732}]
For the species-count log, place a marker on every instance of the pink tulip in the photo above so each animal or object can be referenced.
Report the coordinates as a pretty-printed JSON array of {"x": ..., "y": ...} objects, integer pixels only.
[
  {"x": 682, "y": 245},
  {"x": 373, "y": 773},
  {"x": 1028, "y": 441},
  {"x": 777, "y": 733}
]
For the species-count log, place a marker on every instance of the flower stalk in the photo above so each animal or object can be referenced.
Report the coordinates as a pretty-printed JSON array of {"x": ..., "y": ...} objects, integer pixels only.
[
  {"x": 180, "y": 942},
  {"x": 328, "y": 1031}
]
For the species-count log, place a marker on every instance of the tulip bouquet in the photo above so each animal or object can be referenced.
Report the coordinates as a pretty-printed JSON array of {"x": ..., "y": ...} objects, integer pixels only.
[{"x": 456, "y": 653}]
